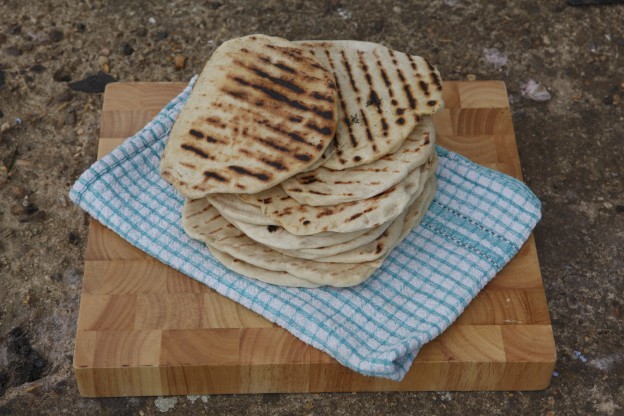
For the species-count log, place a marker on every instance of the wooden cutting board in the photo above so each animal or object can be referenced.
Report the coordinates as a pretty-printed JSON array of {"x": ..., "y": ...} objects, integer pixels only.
[{"x": 146, "y": 329}]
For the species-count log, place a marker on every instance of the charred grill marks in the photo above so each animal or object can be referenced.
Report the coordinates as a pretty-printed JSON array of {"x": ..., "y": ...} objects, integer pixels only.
[
  {"x": 424, "y": 87},
  {"x": 328, "y": 115},
  {"x": 322, "y": 97},
  {"x": 240, "y": 170},
  {"x": 323, "y": 130},
  {"x": 214, "y": 175},
  {"x": 279, "y": 81},
  {"x": 347, "y": 65},
  {"x": 196, "y": 150},
  {"x": 196, "y": 133},
  {"x": 408, "y": 94},
  {"x": 277, "y": 165}
]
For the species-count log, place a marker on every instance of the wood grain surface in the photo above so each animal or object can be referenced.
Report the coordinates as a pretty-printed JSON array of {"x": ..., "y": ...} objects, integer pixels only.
[{"x": 146, "y": 329}]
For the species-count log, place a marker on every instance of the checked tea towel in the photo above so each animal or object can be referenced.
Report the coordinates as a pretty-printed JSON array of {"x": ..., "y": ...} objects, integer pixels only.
[{"x": 477, "y": 222}]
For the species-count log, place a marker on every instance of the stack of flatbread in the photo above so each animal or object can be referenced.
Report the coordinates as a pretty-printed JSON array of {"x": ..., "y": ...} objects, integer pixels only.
[{"x": 305, "y": 163}]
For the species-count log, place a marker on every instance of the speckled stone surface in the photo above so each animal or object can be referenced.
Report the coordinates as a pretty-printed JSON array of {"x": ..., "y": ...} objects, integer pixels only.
[{"x": 571, "y": 147}]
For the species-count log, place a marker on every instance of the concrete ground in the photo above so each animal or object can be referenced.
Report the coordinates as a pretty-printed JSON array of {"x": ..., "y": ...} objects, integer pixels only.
[{"x": 571, "y": 146}]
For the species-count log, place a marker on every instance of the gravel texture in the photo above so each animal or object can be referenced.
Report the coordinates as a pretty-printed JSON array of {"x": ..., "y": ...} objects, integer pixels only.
[{"x": 564, "y": 69}]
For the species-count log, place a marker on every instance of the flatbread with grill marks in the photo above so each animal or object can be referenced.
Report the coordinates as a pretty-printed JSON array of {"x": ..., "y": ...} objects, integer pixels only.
[
  {"x": 346, "y": 217},
  {"x": 262, "y": 110},
  {"x": 258, "y": 273},
  {"x": 203, "y": 222},
  {"x": 382, "y": 95},
  {"x": 277, "y": 237},
  {"x": 324, "y": 186}
]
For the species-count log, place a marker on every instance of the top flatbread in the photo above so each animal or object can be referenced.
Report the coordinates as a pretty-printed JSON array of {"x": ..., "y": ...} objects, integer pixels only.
[
  {"x": 262, "y": 110},
  {"x": 382, "y": 95}
]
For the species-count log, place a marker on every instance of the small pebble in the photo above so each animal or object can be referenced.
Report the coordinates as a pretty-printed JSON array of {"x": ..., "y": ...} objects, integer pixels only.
[
  {"x": 127, "y": 49},
  {"x": 580, "y": 356},
  {"x": 180, "y": 62},
  {"x": 5, "y": 127},
  {"x": 616, "y": 99},
  {"x": 1, "y": 114},
  {"x": 61, "y": 200},
  {"x": 13, "y": 51},
  {"x": 534, "y": 91},
  {"x": 80, "y": 27},
  {"x": 105, "y": 52},
  {"x": 152, "y": 21},
  {"x": 471, "y": 77},
  {"x": 495, "y": 57},
  {"x": 103, "y": 62},
  {"x": 162, "y": 35},
  {"x": 55, "y": 35},
  {"x": 608, "y": 205}
]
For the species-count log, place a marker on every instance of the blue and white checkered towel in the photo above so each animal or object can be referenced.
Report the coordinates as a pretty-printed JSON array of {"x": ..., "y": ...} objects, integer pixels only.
[{"x": 477, "y": 222}]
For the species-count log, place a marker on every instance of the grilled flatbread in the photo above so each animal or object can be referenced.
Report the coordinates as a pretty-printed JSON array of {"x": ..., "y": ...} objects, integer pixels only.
[
  {"x": 258, "y": 273},
  {"x": 237, "y": 209},
  {"x": 262, "y": 110},
  {"x": 206, "y": 225},
  {"x": 350, "y": 216},
  {"x": 324, "y": 186},
  {"x": 277, "y": 237},
  {"x": 382, "y": 95},
  {"x": 203, "y": 222},
  {"x": 380, "y": 246}
]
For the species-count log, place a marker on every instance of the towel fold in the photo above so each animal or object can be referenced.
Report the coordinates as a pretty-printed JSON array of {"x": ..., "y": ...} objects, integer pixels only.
[{"x": 477, "y": 222}]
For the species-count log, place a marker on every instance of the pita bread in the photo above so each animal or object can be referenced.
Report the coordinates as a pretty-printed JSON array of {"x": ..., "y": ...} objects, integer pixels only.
[
  {"x": 380, "y": 246},
  {"x": 382, "y": 95},
  {"x": 277, "y": 237},
  {"x": 413, "y": 217},
  {"x": 258, "y": 273},
  {"x": 350, "y": 216},
  {"x": 371, "y": 251},
  {"x": 238, "y": 210},
  {"x": 203, "y": 222},
  {"x": 417, "y": 211},
  {"x": 262, "y": 110},
  {"x": 324, "y": 186}
]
